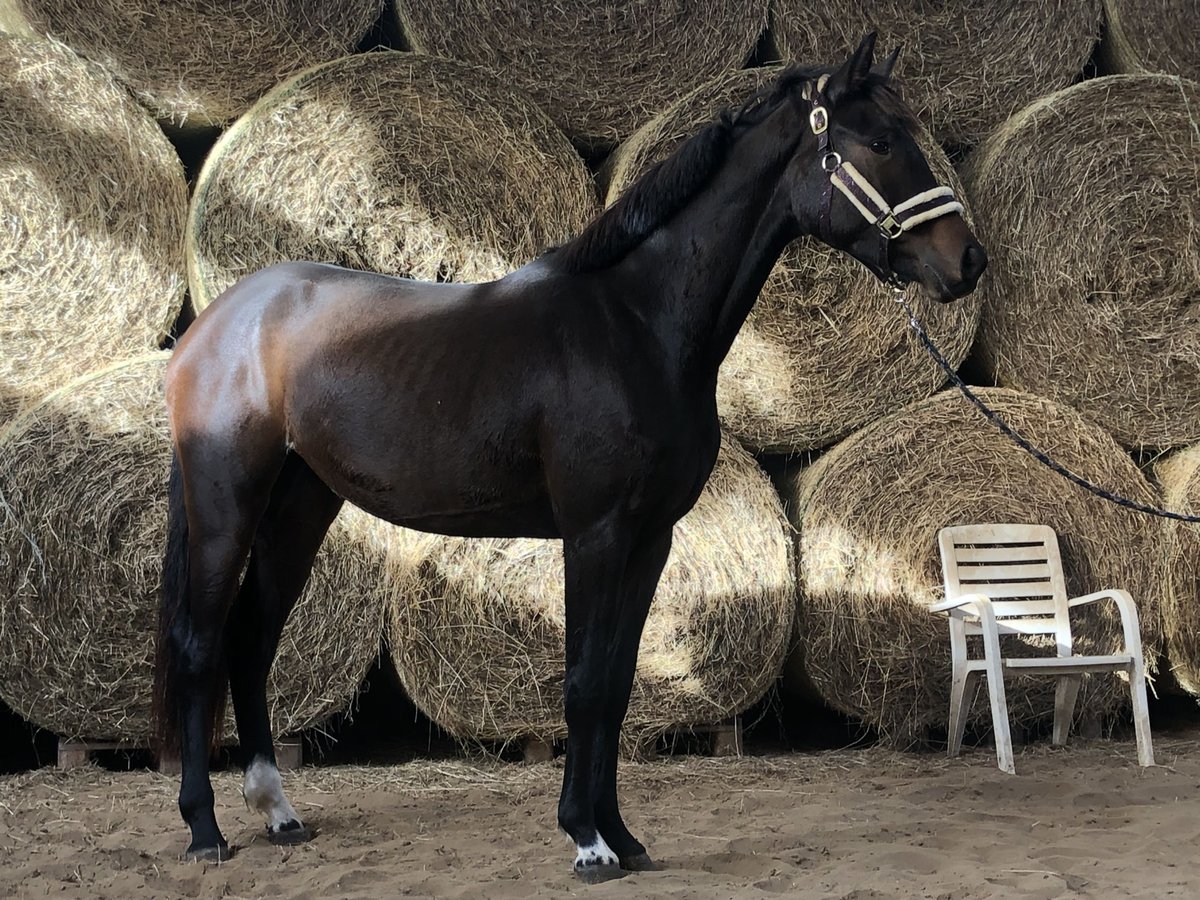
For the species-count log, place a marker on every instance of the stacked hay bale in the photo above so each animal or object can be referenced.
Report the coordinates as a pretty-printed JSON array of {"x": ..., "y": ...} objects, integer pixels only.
[
  {"x": 1150, "y": 36},
  {"x": 600, "y": 69},
  {"x": 476, "y": 627},
  {"x": 825, "y": 349},
  {"x": 391, "y": 162},
  {"x": 1179, "y": 477},
  {"x": 967, "y": 65},
  {"x": 82, "y": 530},
  {"x": 92, "y": 208},
  {"x": 868, "y": 513},
  {"x": 197, "y": 64},
  {"x": 1088, "y": 201}
]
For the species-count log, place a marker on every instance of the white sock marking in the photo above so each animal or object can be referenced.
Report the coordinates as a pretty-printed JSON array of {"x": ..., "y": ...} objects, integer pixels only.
[
  {"x": 596, "y": 853},
  {"x": 263, "y": 791}
]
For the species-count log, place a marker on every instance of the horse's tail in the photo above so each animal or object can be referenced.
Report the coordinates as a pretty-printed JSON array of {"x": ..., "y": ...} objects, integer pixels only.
[{"x": 172, "y": 601}]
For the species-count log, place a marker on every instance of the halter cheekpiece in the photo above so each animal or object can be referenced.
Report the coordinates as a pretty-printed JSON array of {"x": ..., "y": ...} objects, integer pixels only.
[{"x": 892, "y": 221}]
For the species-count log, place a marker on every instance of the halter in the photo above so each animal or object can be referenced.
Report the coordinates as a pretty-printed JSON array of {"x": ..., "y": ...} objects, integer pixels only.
[{"x": 892, "y": 222}]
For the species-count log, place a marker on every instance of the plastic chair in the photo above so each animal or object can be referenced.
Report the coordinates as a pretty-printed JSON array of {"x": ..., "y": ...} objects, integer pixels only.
[{"x": 1008, "y": 579}]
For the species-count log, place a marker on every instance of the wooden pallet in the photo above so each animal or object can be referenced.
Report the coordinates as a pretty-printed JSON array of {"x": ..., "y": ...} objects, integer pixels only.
[{"x": 289, "y": 753}]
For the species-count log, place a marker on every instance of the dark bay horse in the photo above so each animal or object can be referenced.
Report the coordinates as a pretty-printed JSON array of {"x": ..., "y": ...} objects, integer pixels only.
[{"x": 572, "y": 399}]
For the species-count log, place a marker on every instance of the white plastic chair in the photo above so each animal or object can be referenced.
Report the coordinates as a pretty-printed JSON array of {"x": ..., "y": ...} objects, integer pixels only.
[{"x": 1008, "y": 579}]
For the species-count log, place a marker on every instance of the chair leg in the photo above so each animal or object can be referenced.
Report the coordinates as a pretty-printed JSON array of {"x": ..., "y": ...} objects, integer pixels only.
[
  {"x": 995, "y": 680},
  {"x": 1141, "y": 712},
  {"x": 1064, "y": 707},
  {"x": 960, "y": 702}
]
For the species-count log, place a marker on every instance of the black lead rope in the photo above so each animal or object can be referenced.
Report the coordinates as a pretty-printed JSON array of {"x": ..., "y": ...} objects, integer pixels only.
[{"x": 1018, "y": 438}]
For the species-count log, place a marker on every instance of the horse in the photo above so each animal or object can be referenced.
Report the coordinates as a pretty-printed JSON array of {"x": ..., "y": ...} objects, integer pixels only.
[{"x": 574, "y": 398}]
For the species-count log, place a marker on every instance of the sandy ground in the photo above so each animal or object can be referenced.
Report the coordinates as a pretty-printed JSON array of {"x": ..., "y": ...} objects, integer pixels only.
[{"x": 1080, "y": 822}]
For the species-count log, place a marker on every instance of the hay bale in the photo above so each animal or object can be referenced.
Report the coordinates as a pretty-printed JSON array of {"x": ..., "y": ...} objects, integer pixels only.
[
  {"x": 1150, "y": 36},
  {"x": 1088, "y": 201},
  {"x": 825, "y": 350},
  {"x": 92, "y": 207},
  {"x": 966, "y": 65},
  {"x": 476, "y": 627},
  {"x": 82, "y": 530},
  {"x": 198, "y": 64},
  {"x": 391, "y": 162},
  {"x": 869, "y": 511},
  {"x": 1179, "y": 477},
  {"x": 600, "y": 69}
]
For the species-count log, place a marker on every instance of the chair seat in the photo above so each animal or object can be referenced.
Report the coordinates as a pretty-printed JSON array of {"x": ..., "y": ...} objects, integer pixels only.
[{"x": 1059, "y": 665}]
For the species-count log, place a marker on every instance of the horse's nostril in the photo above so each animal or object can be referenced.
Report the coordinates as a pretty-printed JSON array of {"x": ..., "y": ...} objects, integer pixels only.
[{"x": 974, "y": 261}]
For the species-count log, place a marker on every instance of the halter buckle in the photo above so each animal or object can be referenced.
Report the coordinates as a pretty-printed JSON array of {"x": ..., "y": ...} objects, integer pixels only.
[
  {"x": 890, "y": 226},
  {"x": 818, "y": 120}
]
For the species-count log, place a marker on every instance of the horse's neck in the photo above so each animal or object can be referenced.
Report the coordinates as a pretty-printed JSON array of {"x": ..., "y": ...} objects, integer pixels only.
[{"x": 715, "y": 255}]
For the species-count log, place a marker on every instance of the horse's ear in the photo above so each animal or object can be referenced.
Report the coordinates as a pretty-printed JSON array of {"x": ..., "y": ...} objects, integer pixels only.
[
  {"x": 852, "y": 72},
  {"x": 884, "y": 69}
]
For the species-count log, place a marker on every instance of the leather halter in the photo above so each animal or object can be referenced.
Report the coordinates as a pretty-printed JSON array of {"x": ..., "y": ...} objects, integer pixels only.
[{"x": 892, "y": 221}]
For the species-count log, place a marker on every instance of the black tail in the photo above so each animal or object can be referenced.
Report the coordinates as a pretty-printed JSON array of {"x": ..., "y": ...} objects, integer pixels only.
[{"x": 173, "y": 599}]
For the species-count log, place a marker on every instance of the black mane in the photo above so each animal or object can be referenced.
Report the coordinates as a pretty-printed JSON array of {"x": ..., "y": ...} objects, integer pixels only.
[{"x": 667, "y": 186}]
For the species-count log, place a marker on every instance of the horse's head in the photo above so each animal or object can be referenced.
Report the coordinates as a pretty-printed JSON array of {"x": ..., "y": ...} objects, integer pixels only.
[{"x": 860, "y": 182}]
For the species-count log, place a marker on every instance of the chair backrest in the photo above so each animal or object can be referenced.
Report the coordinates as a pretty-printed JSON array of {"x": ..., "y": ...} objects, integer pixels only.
[{"x": 1018, "y": 567}]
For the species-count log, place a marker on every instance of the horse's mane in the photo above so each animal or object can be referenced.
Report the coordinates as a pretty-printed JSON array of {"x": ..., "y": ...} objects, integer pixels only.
[{"x": 667, "y": 186}]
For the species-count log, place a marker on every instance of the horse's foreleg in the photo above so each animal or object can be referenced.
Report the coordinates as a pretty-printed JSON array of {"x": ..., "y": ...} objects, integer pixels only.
[
  {"x": 642, "y": 572},
  {"x": 286, "y": 543},
  {"x": 595, "y": 565}
]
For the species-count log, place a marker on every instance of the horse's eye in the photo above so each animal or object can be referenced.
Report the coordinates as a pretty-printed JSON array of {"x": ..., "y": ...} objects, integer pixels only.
[{"x": 880, "y": 147}]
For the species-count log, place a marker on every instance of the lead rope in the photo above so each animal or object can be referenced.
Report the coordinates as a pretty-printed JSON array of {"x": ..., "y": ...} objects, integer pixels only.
[{"x": 1017, "y": 438}]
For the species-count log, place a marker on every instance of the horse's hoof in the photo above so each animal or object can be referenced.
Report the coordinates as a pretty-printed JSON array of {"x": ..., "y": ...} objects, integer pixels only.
[
  {"x": 640, "y": 862},
  {"x": 218, "y": 854},
  {"x": 598, "y": 873},
  {"x": 289, "y": 833}
]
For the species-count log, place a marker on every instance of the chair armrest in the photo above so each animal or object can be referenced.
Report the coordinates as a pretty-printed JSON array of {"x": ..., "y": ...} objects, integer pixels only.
[
  {"x": 975, "y": 601},
  {"x": 1127, "y": 609}
]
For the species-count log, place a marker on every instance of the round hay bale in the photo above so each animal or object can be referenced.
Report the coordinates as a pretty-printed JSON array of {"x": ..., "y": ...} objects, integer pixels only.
[
  {"x": 1150, "y": 36},
  {"x": 869, "y": 511},
  {"x": 392, "y": 162},
  {"x": 1179, "y": 477},
  {"x": 600, "y": 69},
  {"x": 83, "y": 479},
  {"x": 92, "y": 208},
  {"x": 199, "y": 64},
  {"x": 1088, "y": 201},
  {"x": 476, "y": 627},
  {"x": 966, "y": 66},
  {"x": 825, "y": 349}
]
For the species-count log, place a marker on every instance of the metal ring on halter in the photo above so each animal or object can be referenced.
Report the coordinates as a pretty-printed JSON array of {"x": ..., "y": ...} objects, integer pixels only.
[{"x": 836, "y": 159}]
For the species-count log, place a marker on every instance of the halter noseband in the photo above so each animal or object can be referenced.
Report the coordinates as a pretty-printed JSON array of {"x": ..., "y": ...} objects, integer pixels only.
[{"x": 892, "y": 222}]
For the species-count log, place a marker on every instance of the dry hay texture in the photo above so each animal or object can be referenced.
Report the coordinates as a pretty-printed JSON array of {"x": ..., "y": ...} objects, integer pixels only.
[
  {"x": 868, "y": 513},
  {"x": 966, "y": 65},
  {"x": 825, "y": 349},
  {"x": 1179, "y": 477},
  {"x": 1151, "y": 36},
  {"x": 198, "y": 63},
  {"x": 390, "y": 162},
  {"x": 477, "y": 630},
  {"x": 82, "y": 531},
  {"x": 1089, "y": 204},
  {"x": 600, "y": 69},
  {"x": 92, "y": 207}
]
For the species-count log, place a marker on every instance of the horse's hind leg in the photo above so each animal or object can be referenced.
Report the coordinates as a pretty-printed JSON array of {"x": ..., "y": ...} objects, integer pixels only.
[
  {"x": 286, "y": 543},
  {"x": 226, "y": 493}
]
